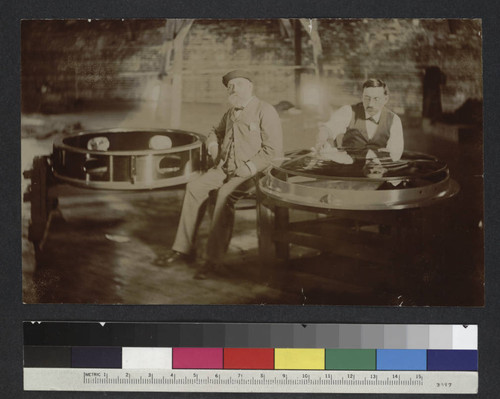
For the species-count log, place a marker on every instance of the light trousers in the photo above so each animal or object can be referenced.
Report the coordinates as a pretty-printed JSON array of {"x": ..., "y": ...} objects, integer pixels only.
[{"x": 228, "y": 190}]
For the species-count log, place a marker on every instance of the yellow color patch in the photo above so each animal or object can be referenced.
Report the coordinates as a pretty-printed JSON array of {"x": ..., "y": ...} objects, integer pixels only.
[{"x": 299, "y": 359}]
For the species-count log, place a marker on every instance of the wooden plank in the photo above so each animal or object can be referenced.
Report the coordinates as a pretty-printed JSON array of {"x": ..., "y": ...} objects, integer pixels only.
[
  {"x": 337, "y": 245},
  {"x": 345, "y": 231}
]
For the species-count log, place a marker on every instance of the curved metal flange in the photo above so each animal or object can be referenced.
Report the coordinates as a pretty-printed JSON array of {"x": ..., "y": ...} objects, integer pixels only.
[
  {"x": 351, "y": 199},
  {"x": 129, "y": 163}
]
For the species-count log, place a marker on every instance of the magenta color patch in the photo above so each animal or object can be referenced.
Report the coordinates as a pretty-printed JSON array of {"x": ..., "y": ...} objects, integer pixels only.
[{"x": 197, "y": 358}]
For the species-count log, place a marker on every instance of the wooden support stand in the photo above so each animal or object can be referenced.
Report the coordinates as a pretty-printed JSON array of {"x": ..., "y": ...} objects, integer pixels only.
[
  {"x": 410, "y": 241},
  {"x": 41, "y": 204}
]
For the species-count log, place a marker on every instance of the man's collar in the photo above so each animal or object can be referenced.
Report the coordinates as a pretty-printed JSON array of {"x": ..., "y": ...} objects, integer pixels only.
[
  {"x": 244, "y": 105},
  {"x": 375, "y": 117}
]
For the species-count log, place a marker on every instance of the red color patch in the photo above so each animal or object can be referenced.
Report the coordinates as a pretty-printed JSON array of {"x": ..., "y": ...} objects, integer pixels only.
[{"x": 249, "y": 358}]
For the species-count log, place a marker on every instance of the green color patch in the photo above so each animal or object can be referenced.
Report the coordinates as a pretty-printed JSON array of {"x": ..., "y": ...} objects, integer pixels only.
[{"x": 350, "y": 359}]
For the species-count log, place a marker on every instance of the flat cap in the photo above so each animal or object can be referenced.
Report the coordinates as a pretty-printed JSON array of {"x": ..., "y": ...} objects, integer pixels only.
[{"x": 238, "y": 73}]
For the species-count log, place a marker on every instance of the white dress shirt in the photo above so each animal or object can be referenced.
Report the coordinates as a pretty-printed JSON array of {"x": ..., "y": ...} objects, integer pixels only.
[{"x": 340, "y": 119}]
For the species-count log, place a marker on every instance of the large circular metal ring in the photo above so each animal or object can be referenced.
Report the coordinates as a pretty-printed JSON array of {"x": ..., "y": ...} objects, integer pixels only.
[
  {"x": 302, "y": 179},
  {"x": 122, "y": 159}
]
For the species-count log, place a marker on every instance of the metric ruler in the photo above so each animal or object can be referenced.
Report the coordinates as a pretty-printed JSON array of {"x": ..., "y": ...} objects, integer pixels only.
[{"x": 313, "y": 381}]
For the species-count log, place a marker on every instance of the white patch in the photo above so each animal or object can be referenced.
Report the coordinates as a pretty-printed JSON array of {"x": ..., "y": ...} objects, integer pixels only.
[
  {"x": 98, "y": 144},
  {"x": 117, "y": 238},
  {"x": 159, "y": 142}
]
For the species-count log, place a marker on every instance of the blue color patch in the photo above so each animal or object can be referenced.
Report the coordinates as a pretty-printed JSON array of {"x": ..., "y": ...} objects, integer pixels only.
[
  {"x": 401, "y": 359},
  {"x": 96, "y": 357},
  {"x": 452, "y": 360}
]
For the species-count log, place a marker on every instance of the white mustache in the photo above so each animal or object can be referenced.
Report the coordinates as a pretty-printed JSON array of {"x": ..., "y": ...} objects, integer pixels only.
[{"x": 235, "y": 100}]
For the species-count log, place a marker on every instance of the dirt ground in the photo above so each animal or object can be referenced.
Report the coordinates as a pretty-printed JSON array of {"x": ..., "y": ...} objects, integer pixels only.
[{"x": 101, "y": 244}]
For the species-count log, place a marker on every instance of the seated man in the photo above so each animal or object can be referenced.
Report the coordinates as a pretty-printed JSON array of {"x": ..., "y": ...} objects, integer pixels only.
[
  {"x": 247, "y": 138},
  {"x": 368, "y": 125}
]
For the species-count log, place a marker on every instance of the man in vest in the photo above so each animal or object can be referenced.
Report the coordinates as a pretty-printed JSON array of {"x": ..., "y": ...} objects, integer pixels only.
[
  {"x": 368, "y": 125},
  {"x": 248, "y": 137}
]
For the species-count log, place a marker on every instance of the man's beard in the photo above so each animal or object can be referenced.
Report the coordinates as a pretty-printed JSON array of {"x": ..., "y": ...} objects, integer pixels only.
[{"x": 236, "y": 101}]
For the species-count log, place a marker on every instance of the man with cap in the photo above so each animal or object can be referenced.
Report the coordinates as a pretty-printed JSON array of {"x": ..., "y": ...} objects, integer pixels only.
[
  {"x": 368, "y": 125},
  {"x": 248, "y": 137}
]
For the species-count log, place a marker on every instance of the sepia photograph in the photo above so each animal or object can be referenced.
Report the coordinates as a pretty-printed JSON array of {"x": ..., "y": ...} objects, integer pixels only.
[{"x": 252, "y": 161}]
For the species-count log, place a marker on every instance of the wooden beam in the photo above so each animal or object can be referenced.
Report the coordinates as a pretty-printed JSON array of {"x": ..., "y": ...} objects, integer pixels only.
[
  {"x": 169, "y": 104},
  {"x": 286, "y": 24},
  {"x": 175, "y": 31},
  {"x": 166, "y": 48},
  {"x": 176, "y": 103},
  {"x": 311, "y": 27},
  {"x": 298, "y": 58}
]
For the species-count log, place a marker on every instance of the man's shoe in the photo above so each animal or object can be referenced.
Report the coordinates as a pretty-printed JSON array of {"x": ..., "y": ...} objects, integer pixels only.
[
  {"x": 206, "y": 271},
  {"x": 171, "y": 258}
]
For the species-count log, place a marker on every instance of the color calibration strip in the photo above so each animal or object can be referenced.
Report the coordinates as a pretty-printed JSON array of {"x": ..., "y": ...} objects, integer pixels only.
[
  {"x": 354, "y": 358},
  {"x": 250, "y": 358}
]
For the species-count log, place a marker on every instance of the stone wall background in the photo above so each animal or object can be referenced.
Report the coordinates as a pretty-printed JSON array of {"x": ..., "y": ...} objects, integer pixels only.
[{"x": 71, "y": 64}]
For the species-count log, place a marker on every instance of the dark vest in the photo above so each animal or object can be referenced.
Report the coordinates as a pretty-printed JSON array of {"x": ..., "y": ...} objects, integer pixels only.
[{"x": 356, "y": 135}]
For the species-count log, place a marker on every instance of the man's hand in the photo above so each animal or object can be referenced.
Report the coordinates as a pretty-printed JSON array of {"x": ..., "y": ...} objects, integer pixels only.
[
  {"x": 326, "y": 152},
  {"x": 394, "y": 156},
  {"x": 325, "y": 141},
  {"x": 323, "y": 134},
  {"x": 243, "y": 171},
  {"x": 324, "y": 148},
  {"x": 213, "y": 151}
]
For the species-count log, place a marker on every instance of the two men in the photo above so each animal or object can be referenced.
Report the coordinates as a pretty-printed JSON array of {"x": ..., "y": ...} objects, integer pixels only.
[
  {"x": 367, "y": 125},
  {"x": 248, "y": 137}
]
